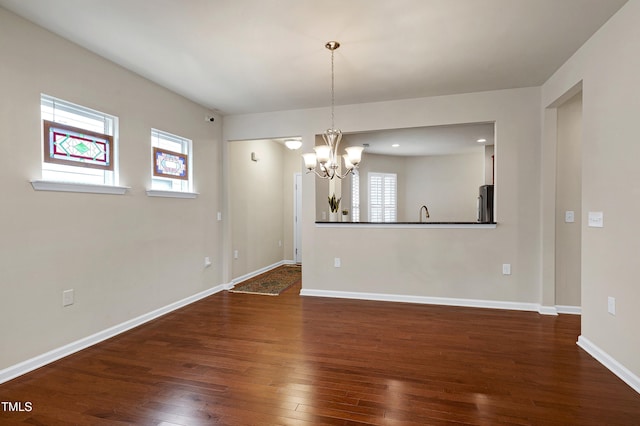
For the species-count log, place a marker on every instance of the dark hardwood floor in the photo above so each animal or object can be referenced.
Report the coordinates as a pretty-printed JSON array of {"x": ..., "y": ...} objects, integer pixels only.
[{"x": 241, "y": 359}]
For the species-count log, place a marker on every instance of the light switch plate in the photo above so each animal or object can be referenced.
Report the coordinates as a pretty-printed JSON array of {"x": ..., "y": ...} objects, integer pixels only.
[
  {"x": 67, "y": 297},
  {"x": 506, "y": 269},
  {"x": 569, "y": 216},
  {"x": 611, "y": 305},
  {"x": 596, "y": 220}
]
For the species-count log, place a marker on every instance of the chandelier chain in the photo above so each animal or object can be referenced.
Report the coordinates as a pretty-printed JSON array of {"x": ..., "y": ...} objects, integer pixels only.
[{"x": 332, "y": 93}]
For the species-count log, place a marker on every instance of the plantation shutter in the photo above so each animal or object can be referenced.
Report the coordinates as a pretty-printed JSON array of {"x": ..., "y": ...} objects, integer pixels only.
[
  {"x": 355, "y": 197},
  {"x": 382, "y": 197}
]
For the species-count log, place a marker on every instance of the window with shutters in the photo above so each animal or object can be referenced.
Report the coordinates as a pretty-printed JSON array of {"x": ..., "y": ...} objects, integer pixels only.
[
  {"x": 382, "y": 197},
  {"x": 355, "y": 197}
]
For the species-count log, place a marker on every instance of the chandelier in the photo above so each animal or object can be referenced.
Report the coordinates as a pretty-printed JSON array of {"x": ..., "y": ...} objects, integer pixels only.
[{"x": 327, "y": 155}]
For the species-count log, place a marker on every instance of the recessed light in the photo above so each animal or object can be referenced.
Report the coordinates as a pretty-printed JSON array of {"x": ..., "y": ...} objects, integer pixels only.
[
  {"x": 481, "y": 140},
  {"x": 293, "y": 144},
  {"x": 395, "y": 145}
]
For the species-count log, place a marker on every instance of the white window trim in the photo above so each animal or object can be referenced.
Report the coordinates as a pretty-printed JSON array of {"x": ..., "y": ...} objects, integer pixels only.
[
  {"x": 174, "y": 193},
  {"x": 68, "y": 186},
  {"x": 171, "y": 194},
  {"x": 50, "y": 185}
]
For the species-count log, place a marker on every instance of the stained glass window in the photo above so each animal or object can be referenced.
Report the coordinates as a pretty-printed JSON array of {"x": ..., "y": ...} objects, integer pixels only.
[
  {"x": 171, "y": 162},
  {"x": 71, "y": 145},
  {"x": 79, "y": 143}
]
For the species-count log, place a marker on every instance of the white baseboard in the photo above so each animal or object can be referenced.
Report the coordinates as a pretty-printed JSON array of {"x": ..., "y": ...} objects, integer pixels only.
[
  {"x": 565, "y": 309},
  {"x": 560, "y": 309},
  {"x": 608, "y": 361},
  {"x": 66, "y": 350},
  {"x": 245, "y": 277},
  {"x": 547, "y": 310},
  {"x": 473, "y": 303},
  {"x": 447, "y": 301}
]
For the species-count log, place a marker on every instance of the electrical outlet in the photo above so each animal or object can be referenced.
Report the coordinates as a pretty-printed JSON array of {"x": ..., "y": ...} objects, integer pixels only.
[
  {"x": 337, "y": 262},
  {"x": 611, "y": 305},
  {"x": 279, "y": 243},
  {"x": 235, "y": 254},
  {"x": 219, "y": 215},
  {"x": 506, "y": 269},
  {"x": 67, "y": 297}
]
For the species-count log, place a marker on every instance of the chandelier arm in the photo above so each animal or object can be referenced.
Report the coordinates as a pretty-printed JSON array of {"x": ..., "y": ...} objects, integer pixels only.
[
  {"x": 347, "y": 173},
  {"x": 321, "y": 176}
]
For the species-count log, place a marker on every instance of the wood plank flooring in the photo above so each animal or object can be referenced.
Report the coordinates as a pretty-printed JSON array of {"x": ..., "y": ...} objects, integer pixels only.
[{"x": 241, "y": 359}]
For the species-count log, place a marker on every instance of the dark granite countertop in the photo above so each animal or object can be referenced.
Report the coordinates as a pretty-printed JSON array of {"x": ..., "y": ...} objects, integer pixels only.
[{"x": 405, "y": 223}]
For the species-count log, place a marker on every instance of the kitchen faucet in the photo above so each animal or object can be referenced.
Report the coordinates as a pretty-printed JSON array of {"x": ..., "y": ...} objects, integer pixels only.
[{"x": 426, "y": 213}]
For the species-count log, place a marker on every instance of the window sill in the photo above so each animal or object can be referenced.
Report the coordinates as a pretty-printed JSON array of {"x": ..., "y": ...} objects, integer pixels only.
[
  {"x": 171, "y": 194},
  {"x": 50, "y": 185}
]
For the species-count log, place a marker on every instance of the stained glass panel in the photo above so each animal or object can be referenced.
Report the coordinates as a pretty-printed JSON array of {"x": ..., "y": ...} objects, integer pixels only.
[
  {"x": 65, "y": 144},
  {"x": 170, "y": 164}
]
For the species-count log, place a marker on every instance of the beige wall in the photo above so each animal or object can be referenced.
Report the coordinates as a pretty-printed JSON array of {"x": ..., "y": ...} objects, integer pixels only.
[
  {"x": 446, "y": 184},
  {"x": 124, "y": 256},
  {"x": 568, "y": 198},
  {"x": 610, "y": 77},
  {"x": 459, "y": 263}
]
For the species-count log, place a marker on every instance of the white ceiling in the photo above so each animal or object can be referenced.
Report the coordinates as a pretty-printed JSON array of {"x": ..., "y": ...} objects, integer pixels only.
[
  {"x": 245, "y": 56},
  {"x": 432, "y": 140}
]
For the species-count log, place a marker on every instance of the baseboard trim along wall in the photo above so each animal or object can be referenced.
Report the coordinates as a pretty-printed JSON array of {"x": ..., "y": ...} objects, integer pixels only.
[
  {"x": 245, "y": 277},
  {"x": 66, "y": 350},
  {"x": 448, "y": 301},
  {"x": 573, "y": 310},
  {"x": 608, "y": 361},
  {"x": 560, "y": 309},
  {"x": 547, "y": 310}
]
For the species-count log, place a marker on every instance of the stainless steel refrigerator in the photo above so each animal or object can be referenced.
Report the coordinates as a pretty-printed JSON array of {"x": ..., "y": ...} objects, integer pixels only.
[{"x": 485, "y": 204}]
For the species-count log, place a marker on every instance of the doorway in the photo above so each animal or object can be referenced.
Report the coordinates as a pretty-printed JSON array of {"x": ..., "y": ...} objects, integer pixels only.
[
  {"x": 568, "y": 210},
  {"x": 261, "y": 205}
]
